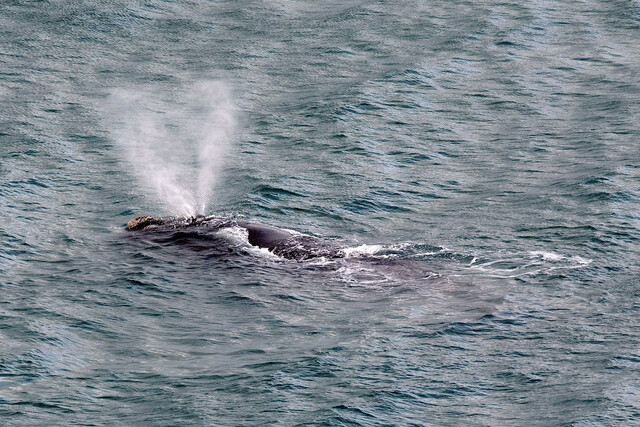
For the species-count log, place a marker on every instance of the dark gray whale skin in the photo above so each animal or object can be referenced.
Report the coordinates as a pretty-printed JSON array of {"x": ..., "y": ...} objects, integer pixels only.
[
  {"x": 280, "y": 242},
  {"x": 264, "y": 236}
]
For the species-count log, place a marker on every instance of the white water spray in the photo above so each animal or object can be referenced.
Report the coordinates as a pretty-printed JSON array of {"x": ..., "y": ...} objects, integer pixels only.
[{"x": 176, "y": 146}]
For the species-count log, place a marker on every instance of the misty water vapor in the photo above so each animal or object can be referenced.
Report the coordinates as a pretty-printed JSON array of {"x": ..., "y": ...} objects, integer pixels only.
[{"x": 175, "y": 143}]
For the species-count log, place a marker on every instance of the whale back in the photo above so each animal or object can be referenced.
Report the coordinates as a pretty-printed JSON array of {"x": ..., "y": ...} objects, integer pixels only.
[
  {"x": 195, "y": 231},
  {"x": 264, "y": 236}
]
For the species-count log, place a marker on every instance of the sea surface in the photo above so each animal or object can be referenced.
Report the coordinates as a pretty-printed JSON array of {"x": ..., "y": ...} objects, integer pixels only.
[{"x": 479, "y": 161}]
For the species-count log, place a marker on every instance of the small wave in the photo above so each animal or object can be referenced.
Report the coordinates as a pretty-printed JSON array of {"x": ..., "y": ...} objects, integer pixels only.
[{"x": 529, "y": 264}]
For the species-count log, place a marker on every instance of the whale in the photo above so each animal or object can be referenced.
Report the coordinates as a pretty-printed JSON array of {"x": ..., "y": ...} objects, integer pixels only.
[{"x": 280, "y": 242}]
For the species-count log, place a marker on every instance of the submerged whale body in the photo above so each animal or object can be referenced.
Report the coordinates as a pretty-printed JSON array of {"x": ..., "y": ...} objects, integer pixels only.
[{"x": 280, "y": 242}]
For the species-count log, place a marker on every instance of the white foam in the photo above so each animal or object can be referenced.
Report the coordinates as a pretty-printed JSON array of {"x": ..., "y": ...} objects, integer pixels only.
[
  {"x": 321, "y": 261},
  {"x": 537, "y": 262},
  {"x": 262, "y": 253},
  {"x": 240, "y": 237},
  {"x": 399, "y": 246},
  {"x": 547, "y": 256},
  {"x": 237, "y": 235},
  {"x": 362, "y": 250},
  {"x": 421, "y": 254},
  {"x": 580, "y": 260},
  {"x": 551, "y": 256}
]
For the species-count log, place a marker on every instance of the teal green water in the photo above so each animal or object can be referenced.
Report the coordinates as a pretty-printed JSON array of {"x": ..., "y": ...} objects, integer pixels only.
[{"x": 479, "y": 160}]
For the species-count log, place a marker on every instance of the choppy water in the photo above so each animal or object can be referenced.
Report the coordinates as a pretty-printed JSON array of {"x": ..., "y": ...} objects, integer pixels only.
[{"x": 480, "y": 159}]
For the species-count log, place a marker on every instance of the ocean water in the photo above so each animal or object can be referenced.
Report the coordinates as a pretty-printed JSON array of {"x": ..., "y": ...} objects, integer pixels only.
[{"x": 479, "y": 161}]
